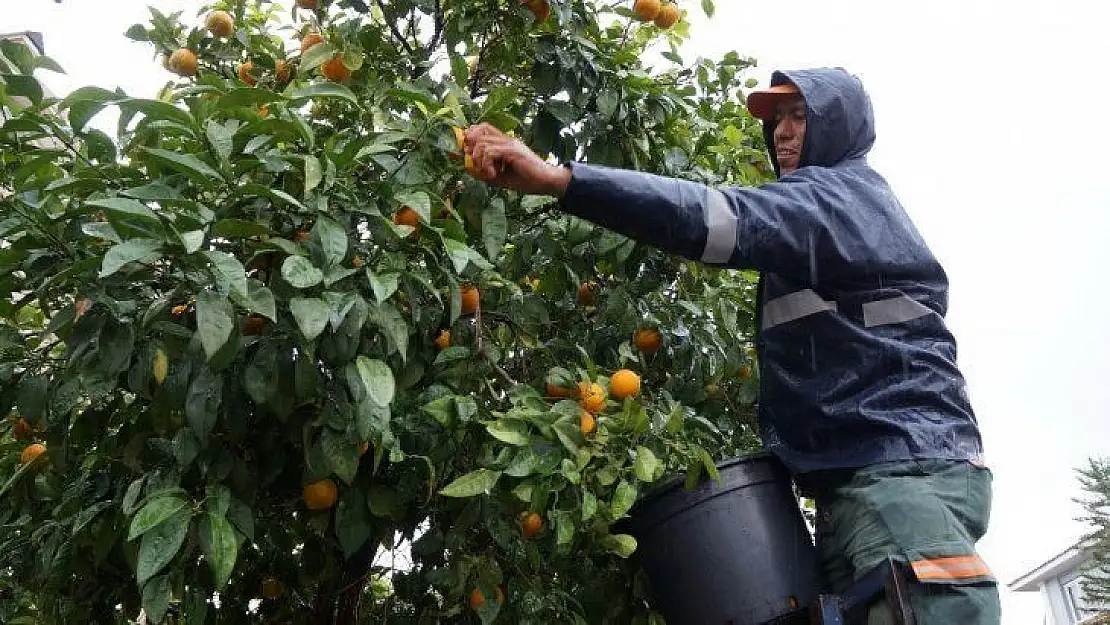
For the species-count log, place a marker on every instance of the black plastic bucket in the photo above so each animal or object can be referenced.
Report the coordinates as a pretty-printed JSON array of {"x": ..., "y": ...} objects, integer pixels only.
[{"x": 735, "y": 552}]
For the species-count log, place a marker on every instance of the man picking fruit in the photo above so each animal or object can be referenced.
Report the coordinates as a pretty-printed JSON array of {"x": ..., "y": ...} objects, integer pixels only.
[{"x": 860, "y": 396}]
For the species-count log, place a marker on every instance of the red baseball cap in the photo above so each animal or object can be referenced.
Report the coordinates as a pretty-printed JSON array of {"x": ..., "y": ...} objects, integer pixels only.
[{"x": 762, "y": 104}]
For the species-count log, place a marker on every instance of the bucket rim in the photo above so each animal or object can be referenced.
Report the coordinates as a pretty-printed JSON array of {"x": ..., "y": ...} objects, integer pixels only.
[{"x": 669, "y": 484}]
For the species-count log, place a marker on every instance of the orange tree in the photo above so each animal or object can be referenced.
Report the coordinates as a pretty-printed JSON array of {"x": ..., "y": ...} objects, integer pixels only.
[{"x": 269, "y": 353}]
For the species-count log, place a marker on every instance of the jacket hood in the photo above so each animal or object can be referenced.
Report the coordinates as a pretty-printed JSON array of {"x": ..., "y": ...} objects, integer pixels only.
[{"x": 840, "y": 123}]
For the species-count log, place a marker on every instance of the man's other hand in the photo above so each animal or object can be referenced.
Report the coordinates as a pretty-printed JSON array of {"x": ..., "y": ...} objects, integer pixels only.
[{"x": 503, "y": 161}]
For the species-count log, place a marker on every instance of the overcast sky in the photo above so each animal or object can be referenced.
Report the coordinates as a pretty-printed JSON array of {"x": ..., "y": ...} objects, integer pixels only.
[{"x": 992, "y": 131}]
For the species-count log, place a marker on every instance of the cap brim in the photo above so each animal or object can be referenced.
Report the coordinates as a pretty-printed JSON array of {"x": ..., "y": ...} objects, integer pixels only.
[{"x": 763, "y": 104}]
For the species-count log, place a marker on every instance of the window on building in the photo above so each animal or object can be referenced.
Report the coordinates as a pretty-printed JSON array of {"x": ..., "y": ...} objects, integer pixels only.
[{"x": 1076, "y": 604}]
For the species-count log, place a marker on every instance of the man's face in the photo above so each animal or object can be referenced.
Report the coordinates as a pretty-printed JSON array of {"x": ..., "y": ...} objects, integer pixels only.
[{"x": 790, "y": 132}]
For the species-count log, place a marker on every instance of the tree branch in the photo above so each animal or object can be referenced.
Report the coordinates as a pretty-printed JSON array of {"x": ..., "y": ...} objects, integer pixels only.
[{"x": 396, "y": 31}]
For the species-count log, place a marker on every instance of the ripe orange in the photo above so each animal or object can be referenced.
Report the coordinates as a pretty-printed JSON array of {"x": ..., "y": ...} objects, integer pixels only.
[
  {"x": 263, "y": 111},
  {"x": 587, "y": 293},
  {"x": 82, "y": 307},
  {"x": 470, "y": 300},
  {"x": 357, "y": 262},
  {"x": 540, "y": 8},
  {"x": 624, "y": 383},
  {"x": 363, "y": 447},
  {"x": 178, "y": 310},
  {"x": 667, "y": 17},
  {"x": 443, "y": 341},
  {"x": 591, "y": 396},
  {"x": 320, "y": 495},
  {"x": 334, "y": 70},
  {"x": 301, "y": 235},
  {"x": 646, "y": 10},
  {"x": 271, "y": 588},
  {"x": 31, "y": 452},
  {"x": 21, "y": 430},
  {"x": 308, "y": 4},
  {"x": 283, "y": 70},
  {"x": 220, "y": 23},
  {"x": 530, "y": 524},
  {"x": 468, "y": 164},
  {"x": 245, "y": 73},
  {"x": 183, "y": 62},
  {"x": 559, "y": 391},
  {"x": 587, "y": 422},
  {"x": 407, "y": 216},
  {"x": 252, "y": 325},
  {"x": 648, "y": 340},
  {"x": 477, "y": 599},
  {"x": 745, "y": 371},
  {"x": 310, "y": 40}
]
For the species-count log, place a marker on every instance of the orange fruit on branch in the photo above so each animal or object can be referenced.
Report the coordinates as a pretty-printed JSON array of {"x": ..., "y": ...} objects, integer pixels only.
[
  {"x": 591, "y": 396},
  {"x": 320, "y": 495},
  {"x": 530, "y": 524},
  {"x": 646, "y": 10},
  {"x": 539, "y": 8},
  {"x": 471, "y": 300},
  {"x": 624, "y": 383},
  {"x": 252, "y": 325},
  {"x": 311, "y": 5},
  {"x": 283, "y": 70},
  {"x": 587, "y": 293},
  {"x": 245, "y": 73},
  {"x": 310, "y": 40},
  {"x": 554, "y": 390},
  {"x": 587, "y": 423},
  {"x": 647, "y": 340},
  {"x": 363, "y": 447},
  {"x": 220, "y": 23},
  {"x": 183, "y": 62},
  {"x": 667, "y": 17},
  {"x": 21, "y": 430},
  {"x": 443, "y": 340},
  {"x": 335, "y": 70},
  {"x": 31, "y": 452},
  {"x": 407, "y": 216},
  {"x": 477, "y": 599}
]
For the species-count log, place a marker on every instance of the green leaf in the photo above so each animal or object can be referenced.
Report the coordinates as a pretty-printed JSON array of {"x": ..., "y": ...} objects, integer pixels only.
[
  {"x": 498, "y": 100},
  {"x": 459, "y": 254},
  {"x": 247, "y": 96},
  {"x": 342, "y": 454},
  {"x": 323, "y": 90},
  {"x": 495, "y": 228},
  {"x": 221, "y": 137},
  {"x": 126, "y": 211},
  {"x": 622, "y": 545},
  {"x": 316, "y": 56},
  {"x": 313, "y": 173},
  {"x": 84, "y": 517},
  {"x": 215, "y": 321},
  {"x": 241, "y": 517},
  {"x": 160, "y": 545},
  {"x": 239, "y": 228},
  {"x": 442, "y": 409},
  {"x": 300, "y": 273},
  {"x": 394, "y": 327},
  {"x": 156, "y": 109},
  {"x": 217, "y": 542},
  {"x": 384, "y": 285},
  {"x": 377, "y": 377},
  {"x": 589, "y": 505},
  {"x": 196, "y": 169},
  {"x": 708, "y": 7},
  {"x": 259, "y": 299},
  {"x": 202, "y": 402},
  {"x": 156, "y": 598},
  {"x": 25, "y": 86},
  {"x": 646, "y": 465},
  {"x": 185, "y": 448},
  {"x": 129, "y": 251},
  {"x": 564, "y": 527},
  {"x": 524, "y": 463},
  {"x": 418, "y": 201},
  {"x": 191, "y": 240},
  {"x": 332, "y": 238},
  {"x": 311, "y": 315},
  {"x": 228, "y": 271},
  {"x": 257, "y": 190},
  {"x": 352, "y": 522},
  {"x": 511, "y": 432},
  {"x": 623, "y": 499},
  {"x": 153, "y": 514},
  {"x": 131, "y": 496},
  {"x": 261, "y": 377},
  {"x": 476, "y": 482}
]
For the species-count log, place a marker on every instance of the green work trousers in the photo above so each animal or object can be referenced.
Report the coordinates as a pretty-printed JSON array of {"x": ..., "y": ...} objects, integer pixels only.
[{"x": 926, "y": 513}]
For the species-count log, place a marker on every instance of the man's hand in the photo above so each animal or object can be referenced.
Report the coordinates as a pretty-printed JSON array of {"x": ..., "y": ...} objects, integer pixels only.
[{"x": 503, "y": 161}]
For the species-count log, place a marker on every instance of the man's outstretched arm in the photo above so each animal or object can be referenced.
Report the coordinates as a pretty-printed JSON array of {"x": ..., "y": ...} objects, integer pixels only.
[{"x": 772, "y": 228}]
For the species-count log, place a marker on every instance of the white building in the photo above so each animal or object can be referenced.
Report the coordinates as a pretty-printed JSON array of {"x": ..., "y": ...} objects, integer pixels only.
[{"x": 1058, "y": 580}]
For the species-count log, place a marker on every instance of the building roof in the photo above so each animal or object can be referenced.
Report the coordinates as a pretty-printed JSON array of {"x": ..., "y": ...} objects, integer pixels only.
[
  {"x": 32, "y": 38},
  {"x": 1064, "y": 561}
]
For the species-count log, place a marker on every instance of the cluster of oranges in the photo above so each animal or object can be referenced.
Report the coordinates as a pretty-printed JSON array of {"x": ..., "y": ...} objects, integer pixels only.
[
  {"x": 664, "y": 15},
  {"x": 183, "y": 61}
]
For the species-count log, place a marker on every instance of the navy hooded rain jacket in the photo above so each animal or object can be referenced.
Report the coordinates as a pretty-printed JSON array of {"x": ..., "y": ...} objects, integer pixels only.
[{"x": 857, "y": 365}]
